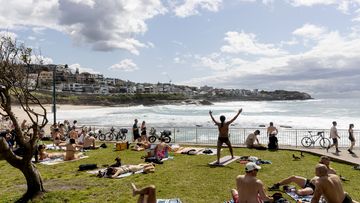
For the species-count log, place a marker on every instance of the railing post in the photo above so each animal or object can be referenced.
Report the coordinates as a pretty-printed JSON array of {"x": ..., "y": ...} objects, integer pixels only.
[
  {"x": 196, "y": 135},
  {"x": 174, "y": 135},
  {"x": 296, "y": 136}
]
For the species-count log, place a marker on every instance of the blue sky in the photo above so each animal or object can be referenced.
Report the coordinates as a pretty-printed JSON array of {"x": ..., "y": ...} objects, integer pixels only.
[{"x": 305, "y": 45}]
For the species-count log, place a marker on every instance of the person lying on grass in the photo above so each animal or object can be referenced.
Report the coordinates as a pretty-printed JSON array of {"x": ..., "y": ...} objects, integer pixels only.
[
  {"x": 114, "y": 172},
  {"x": 44, "y": 155}
]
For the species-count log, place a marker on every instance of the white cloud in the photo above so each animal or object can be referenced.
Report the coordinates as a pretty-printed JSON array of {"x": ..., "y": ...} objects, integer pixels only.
[
  {"x": 191, "y": 7},
  {"x": 105, "y": 24},
  {"x": 126, "y": 65},
  {"x": 342, "y": 5},
  {"x": 81, "y": 69},
  {"x": 310, "y": 31},
  {"x": 248, "y": 44},
  {"x": 38, "y": 59}
]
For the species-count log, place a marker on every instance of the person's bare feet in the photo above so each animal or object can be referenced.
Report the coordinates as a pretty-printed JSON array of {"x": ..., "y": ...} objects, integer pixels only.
[{"x": 134, "y": 189}]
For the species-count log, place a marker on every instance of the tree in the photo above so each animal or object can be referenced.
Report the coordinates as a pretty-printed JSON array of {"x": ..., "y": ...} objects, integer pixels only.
[{"x": 15, "y": 62}]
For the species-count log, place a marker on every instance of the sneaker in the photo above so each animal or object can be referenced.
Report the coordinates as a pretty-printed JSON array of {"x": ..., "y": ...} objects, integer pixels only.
[
  {"x": 327, "y": 149},
  {"x": 351, "y": 152},
  {"x": 337, "y": 151},
  {"x": 274, "y": 187}
]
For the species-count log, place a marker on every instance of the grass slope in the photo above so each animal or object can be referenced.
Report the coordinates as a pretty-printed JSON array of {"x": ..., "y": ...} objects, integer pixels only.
[{"x": 187, "y": 177}]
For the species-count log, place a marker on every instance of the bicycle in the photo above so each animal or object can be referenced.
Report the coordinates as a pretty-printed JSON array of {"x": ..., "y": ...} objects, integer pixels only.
[
  {"x": 120, "y": 135},
  {"x": 311, "y": 139},
  {"x": 163, "y": 134}
]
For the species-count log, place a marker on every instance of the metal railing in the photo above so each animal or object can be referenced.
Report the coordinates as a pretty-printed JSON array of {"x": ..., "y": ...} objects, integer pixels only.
[{"x": 209, "y": 135}]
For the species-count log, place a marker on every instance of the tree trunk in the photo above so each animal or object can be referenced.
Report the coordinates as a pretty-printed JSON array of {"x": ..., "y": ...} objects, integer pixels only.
[{"x": 34, "y": 182}]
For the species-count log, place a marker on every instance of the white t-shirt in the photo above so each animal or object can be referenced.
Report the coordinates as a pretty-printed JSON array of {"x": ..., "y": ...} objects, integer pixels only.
[{"x": 333, "y": 132}]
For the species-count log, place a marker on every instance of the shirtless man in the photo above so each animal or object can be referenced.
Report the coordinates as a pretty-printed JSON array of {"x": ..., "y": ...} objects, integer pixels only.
[
  {"x": 224, "y": 133},
  {"x": 249, "y": 188},
  {"x": 272, "y": 131},
  {"x": 329, "y": 186},
  {"x": 326, "y": 161},
  {"x": 89, "y": 141},
  {"x": 73, "y": 134},
  {"x": 251, "y": 138}
]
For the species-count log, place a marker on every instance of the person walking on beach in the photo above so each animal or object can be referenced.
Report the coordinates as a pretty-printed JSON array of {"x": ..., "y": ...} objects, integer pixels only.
[
  {"x": 224, "y": 133},
  {"x": 334, "y": 135},
  {"x": 351, "y": 138},
  {"x": 272, "y": 131},
  {"x": 136, "y": 134}
]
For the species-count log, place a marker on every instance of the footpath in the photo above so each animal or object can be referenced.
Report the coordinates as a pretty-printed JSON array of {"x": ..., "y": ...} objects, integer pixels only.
[{"x": 343, "y": 156}]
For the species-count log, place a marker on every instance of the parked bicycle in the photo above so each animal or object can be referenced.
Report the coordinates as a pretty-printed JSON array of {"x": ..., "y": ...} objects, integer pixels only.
[
  {"x": 311, "y": 139},
  {"x": 118, "y": 135},
  {"x": 163, "y": 134}
]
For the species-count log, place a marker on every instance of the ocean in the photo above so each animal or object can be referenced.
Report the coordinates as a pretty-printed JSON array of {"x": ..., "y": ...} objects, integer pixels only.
[{"x": 306, "y": 114}]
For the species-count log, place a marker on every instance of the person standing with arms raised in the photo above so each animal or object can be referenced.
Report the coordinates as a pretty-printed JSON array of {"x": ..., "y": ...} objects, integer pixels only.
[{"x": 224, "y": 133}]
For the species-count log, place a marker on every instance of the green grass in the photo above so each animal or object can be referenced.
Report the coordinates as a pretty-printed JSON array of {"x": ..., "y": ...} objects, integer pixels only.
[{"x": 187, "y": 177}]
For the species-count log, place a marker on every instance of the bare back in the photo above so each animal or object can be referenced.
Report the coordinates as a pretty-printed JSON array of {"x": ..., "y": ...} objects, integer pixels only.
[
  {"x": 224, "y": 129},
  {"x": 250, "y": 189},
  {"x": 330, "y": 187}
]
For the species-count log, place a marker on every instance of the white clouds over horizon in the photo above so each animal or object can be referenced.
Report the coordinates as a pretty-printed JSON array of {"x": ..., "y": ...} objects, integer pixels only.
[
  {"x": 126, "y": 65},
  {"x": 191, "y": 7}
]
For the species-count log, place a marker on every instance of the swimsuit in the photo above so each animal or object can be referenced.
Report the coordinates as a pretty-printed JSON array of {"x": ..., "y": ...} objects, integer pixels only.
[
  {"x": 223, "y": 139},
  {"x": 309, "y": 184}
]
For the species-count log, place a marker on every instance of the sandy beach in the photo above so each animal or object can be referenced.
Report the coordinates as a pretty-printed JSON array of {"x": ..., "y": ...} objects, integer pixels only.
[{"x": 21, "y": 115}]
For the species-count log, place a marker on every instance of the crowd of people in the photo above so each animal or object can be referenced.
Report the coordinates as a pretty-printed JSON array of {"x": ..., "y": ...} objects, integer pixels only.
[{"x": 73, "y": 139}]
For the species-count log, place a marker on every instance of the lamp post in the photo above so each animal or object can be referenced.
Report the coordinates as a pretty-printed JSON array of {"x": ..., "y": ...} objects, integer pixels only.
[{"x": 54, "y": 94}]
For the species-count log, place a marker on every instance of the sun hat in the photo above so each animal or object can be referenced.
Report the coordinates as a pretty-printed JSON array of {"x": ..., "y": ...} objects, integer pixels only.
[{"x": 250, "y": 166}]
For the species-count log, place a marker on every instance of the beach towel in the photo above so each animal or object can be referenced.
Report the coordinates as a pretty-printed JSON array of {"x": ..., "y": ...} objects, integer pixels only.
[
  {"x": 174, "y": 200},
  {"x": 224, "y": 161},
  {"x": 185, "y": 150},
  {"x": 59, "y": 160},
  {"x": 95, "y": 172},
  {"x": 306, "y": 198}
]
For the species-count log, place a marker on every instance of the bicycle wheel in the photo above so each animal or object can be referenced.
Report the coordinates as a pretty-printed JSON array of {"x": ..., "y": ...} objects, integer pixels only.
[
  {"x": 306, "y": 142},
  {"x": 102, "y": 137},
  {"x": 167, "y": 139},
  {"x": 109, "y": 135},
  {"x": 120, "y": 137},
  {"x": 152, "y": 139},
  {"x": 324, "y": 142}
]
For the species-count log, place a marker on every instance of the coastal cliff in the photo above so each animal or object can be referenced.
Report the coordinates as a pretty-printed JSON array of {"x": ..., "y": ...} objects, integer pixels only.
[{"x": 161, "y": 99}]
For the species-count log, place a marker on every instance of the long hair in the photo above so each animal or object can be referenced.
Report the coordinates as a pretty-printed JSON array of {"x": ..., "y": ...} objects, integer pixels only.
[{"x": 222, "y": 119}]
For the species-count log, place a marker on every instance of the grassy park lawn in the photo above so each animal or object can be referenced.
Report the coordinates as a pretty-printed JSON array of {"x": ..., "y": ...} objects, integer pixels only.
[{"x": 186, "y": 177}]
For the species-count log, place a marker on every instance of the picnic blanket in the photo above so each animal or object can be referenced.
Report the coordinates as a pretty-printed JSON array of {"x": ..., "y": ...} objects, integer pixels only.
[
  {"x": 224, "y": 161},
  {"x": 174, "y": 200},
  {"x": 49, "y": 161},
  {"x": 185, "y": 150},
  {"x": 95, "y": 172},
  {"x": 306, "y": 198}
]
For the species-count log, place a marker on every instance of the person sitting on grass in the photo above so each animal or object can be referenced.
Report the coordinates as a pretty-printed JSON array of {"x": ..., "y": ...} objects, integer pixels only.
[
  {"x": 249, "y": 188},
  {"x": 70, "y": 153},
  {"x": 89, "y": 141},
  {"x": 146, "y": 194},
  {"x": 329, "y": 186},
  {"x": 162, "y": 149},
  {"x": 326, "y": 161},
  {"x": 114, "y": 172},
  {"x": 250, "y": 141},
  {"x": 142, "y": 145}
]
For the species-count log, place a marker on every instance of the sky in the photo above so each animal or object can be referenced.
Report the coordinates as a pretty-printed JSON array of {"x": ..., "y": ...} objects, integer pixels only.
[{"x": 304, "y": 45}]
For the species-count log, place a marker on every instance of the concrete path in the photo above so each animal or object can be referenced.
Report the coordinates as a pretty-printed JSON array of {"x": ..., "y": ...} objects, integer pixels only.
[{"x": 343, "y": 156}]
